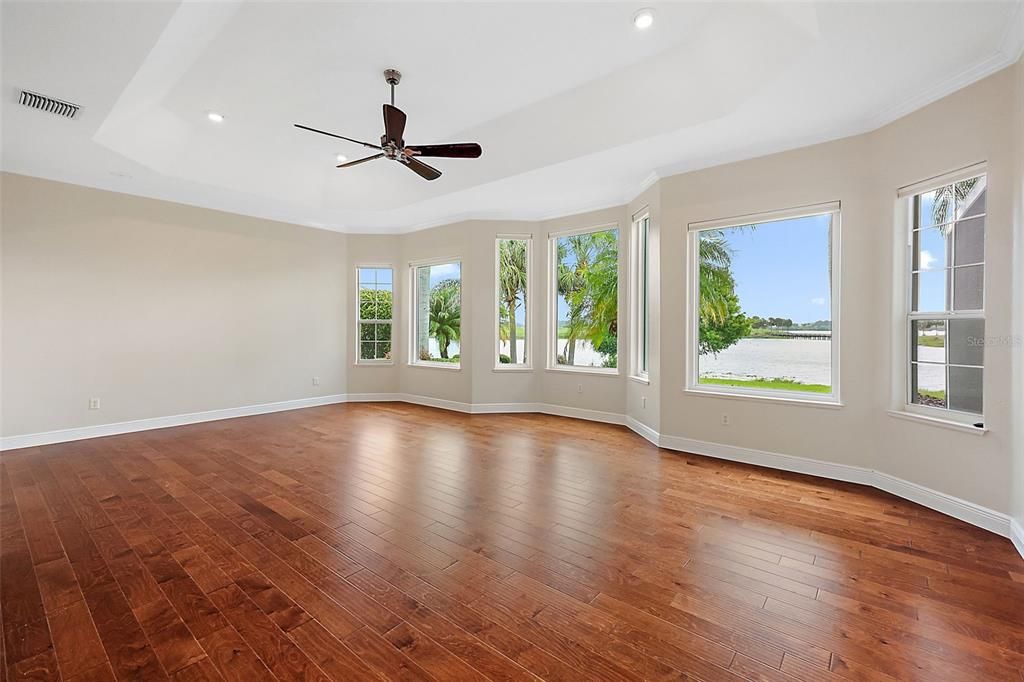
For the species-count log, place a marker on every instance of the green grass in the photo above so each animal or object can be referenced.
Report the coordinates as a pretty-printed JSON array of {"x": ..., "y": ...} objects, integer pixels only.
[
  {"x": 935, "y": 341},
  {"x": 769, "y": 384},
  {"x": 938, "y": 395}
]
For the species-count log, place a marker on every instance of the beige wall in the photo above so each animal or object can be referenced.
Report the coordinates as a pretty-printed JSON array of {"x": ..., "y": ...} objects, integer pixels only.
[
  {"x": 1017, "y": 414},
  {"x": 162, "y": 309},
  {"x": 159, "y": 309}
]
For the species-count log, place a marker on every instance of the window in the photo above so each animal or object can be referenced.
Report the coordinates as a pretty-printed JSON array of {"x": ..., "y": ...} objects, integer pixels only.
[
  {"x": 946, "y": 319},
  {"x": 764, "y": 313},
  {"x": 437, "y": 313},
  {"x": 512, "y": 268},
  {"x": 641, "y": 284},
  {"x": 375, "y": 306},
  {"x": 585, "y": 291}
]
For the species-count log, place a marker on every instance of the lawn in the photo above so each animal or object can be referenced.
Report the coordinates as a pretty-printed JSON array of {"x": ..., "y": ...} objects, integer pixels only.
[
  {"x": 768, "y": 384},
  {"x": 933, "y": 341}
]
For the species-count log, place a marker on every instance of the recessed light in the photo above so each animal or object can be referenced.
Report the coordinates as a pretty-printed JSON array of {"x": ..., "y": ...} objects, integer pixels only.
[
  {"x": 215, "y": 117},
  {"x": 341, "y": 158},
  {"x": 643, "y": 18}
]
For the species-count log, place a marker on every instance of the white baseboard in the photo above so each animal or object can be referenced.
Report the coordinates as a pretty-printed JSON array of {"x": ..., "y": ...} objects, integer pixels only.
[
  {"x": 1017, "y": 536},
  {"x": 641, "y": 429},
  {"x": 969, "y": 512},
  {"x": 63, "y": 435},
  {"x": 772, "y": 460}
]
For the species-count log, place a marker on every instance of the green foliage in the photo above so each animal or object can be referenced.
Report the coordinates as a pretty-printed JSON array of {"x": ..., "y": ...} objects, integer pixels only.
[
  {"x": 511, "y": 291},
  {"x": 375, "y": 304},
  {"x": 728, "y": 324},
  {"x": 504, "y": 359},
  {"x": 588, "y": 280},
  {"x": 446, "y": 314},
  {"x": 609, "y": 347}
]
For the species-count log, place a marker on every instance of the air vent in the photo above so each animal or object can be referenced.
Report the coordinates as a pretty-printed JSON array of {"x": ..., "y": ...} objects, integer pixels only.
[{"x": 55, "y": 106}]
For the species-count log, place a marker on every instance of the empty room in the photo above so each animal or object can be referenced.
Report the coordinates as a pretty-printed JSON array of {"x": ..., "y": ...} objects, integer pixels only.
[{"x": 512, "y": 340}]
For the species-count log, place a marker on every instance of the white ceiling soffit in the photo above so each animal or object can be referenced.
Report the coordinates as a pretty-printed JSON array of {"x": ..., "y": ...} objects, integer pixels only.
[{"x": 574, "y": 107}]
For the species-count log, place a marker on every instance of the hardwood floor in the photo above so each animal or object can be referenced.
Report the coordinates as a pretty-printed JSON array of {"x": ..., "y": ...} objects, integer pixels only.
[{"x": 369, "y": 541}]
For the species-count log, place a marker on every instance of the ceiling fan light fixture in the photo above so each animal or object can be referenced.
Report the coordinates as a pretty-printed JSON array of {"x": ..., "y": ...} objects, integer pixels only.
[{"x": 643, "y": 18}]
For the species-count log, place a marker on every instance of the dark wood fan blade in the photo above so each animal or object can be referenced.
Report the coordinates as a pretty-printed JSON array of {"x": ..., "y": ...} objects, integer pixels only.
[
  {"x": 394, "y": 124},
  {"x": 359, "y": 161},
  {"x": 423, "y": 170},
  {"x": 340, "y": 137},
  {"x": 458, "y": 150}
]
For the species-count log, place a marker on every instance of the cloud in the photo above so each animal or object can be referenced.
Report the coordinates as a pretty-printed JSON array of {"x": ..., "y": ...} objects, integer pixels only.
[
  {"x": 819, "y": 300},
  {"x": 926, "y": 260}
]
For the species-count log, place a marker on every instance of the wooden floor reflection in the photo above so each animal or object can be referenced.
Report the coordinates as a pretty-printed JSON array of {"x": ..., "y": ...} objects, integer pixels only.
[{"x": 390, "y": 541}]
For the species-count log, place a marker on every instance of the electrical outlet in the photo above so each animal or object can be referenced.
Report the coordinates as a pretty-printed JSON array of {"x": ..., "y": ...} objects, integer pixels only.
[
  {"x": 316, "y": 381},
  {"x": 94, "y": 403},
  {"x": 579, "y": 388},
  {"x": 643, "y": 401},
  {"x": 725, "y": 419}
]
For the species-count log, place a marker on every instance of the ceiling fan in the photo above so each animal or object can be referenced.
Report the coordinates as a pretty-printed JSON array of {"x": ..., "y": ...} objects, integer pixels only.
[{"x": 392, "y": 145}]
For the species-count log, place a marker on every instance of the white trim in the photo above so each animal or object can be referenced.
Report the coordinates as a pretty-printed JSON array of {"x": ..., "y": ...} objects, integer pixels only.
[
  {"x": 1017, "y": 536},
  {"x": 557, "y": 234},
  {"x": 643, "y": 430},
  {"x": 413, "y": 359},
  {"x": 692, "y": 326},
  {"x": 969, "y": 512},
  {"x": 934, "y": 182},
  {"x": 785, "y": 398},
  {"x": 551, "y": 333},
  {"x": 766, "y": 216},
  {"x": 527, "y": 316},
  {"x": 583, "y": 369},
  {"x": 937, "y": 421},
  {"x": 359, "y": 361},
  {"x": 99, "y": 430}
]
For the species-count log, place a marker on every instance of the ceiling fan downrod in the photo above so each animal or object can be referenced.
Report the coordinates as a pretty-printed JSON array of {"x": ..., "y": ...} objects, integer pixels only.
[{"x": 393, "y": 77}]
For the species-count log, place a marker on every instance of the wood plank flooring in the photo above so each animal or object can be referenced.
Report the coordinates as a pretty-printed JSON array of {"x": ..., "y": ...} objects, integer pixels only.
[{"x": 390, "y": 541}]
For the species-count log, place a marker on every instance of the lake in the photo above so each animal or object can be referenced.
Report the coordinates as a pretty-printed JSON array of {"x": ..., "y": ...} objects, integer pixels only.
[{"x": 805, "y": 360}]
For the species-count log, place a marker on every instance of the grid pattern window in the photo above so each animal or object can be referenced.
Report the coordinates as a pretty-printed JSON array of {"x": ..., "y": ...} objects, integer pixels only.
[
  {"x": 641, "y": 288},
  {"x": 512, "y": 269},
  {"x": 764, "y": 317},
  {"x": 376, "y": 310},
  {"x": 947, "y": 298},
  {"x": 437, "y": 313},
  {"x": 585, "y": 287}
]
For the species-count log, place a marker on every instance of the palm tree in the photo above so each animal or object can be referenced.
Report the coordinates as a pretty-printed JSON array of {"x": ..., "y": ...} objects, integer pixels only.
[
  {"x": 947, "y": 198},
  {"x": 446, "y": 313},
  {"x": 571, "y": 281},
  {"x": 716, "y": 282},
  {"x": 511, "y": 289}
]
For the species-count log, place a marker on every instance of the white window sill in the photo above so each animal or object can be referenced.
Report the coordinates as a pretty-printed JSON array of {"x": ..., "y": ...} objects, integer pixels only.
[
  {"x": 451, "y": 367},
  {"x": 640, "y": 380},
  {"x": 802, "y": 402},
  {"x": 596, "y": 371},
  {"x": 512, "y": 368},
  {"x": 941, "y": 423},
  {"x": 373, "y": 363}
]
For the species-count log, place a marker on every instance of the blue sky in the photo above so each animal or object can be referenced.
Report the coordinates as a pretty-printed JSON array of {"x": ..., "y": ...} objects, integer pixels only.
[
  {"x": 781, "y": 268},
  {"x": 446, "y": 271}
]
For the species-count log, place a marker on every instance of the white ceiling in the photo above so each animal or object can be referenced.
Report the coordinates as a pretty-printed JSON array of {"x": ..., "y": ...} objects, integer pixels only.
[{"x": 574, "y": 107}]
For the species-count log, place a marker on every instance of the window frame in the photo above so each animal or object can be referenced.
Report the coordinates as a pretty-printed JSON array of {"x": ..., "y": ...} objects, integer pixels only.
[
  {"x": 413, "y": 359},
  {"x": 551, "y": 343},
  {"x": 905, "y": 228},
  {"x": 691, "y": 385},
  {"x": 640, "y": 287},
  {"x": 528, "y": 317},
  {"x": 374, "y": 362}
]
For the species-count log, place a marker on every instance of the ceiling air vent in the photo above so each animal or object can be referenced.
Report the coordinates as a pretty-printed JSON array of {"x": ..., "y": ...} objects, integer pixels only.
[{"x": 55, "y": 106}]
